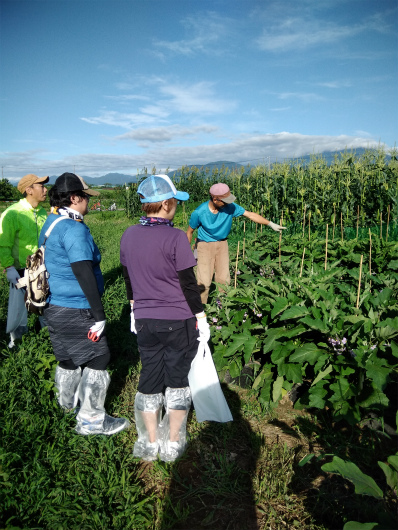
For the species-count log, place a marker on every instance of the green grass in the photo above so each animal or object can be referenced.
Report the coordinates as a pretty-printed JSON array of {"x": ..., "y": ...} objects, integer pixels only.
[{"x": 235, "y": 476}]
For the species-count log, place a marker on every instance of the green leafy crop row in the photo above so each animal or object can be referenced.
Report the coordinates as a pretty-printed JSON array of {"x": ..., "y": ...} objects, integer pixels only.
[{"x": 308, "y": 330}]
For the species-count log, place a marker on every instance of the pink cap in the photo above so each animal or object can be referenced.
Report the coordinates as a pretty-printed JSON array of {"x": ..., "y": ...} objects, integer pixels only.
[{"x": 221, "y": 191}]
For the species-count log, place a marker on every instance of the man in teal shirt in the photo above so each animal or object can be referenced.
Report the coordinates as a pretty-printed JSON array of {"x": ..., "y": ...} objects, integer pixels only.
[{"x": 213, "y": 219}]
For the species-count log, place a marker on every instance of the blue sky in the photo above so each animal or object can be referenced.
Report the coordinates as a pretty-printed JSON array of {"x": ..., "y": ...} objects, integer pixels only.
[{"x": 98, "y": 86}]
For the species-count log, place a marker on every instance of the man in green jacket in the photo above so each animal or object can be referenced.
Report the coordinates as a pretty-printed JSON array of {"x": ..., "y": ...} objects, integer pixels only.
[{"x": 20, "y": 226}]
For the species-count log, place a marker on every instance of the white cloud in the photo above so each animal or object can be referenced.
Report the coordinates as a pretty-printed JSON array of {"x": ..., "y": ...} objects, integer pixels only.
[
  {"x": 299, "y": 33},
  {"x": 165, "y": 134},
  {"x": 244, "y": 149},
  {"x": 206, "y": 32},
  {"x": 165, "y": 99},
  {"x": 124, "y": 120},
  {"x": 198, "y": 98},
  {"x": 303, "y": 96}
]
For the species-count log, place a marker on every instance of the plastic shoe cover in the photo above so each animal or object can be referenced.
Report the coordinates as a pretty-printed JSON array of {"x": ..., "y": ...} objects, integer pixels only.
[
  {"x": 176, "y": 399},
  {"x": 172, "y": 450},
  {"x": 92, "y": 418},
  {"x": 148, "y": 408},
  {"x": 67, "y": 385},
  {"x": 147, "y": 451}
]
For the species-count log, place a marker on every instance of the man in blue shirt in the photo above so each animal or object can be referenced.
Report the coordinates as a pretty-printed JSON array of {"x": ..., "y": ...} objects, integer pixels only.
[{"x": 213, "y": 219}]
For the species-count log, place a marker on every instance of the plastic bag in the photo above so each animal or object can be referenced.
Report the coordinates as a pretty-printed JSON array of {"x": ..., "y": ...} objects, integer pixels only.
[
  {"x": 207, "y": 396},
  {"x": 17, "y": 317}
]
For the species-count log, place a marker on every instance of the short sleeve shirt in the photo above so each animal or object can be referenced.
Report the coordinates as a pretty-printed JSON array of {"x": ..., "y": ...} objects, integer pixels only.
[
  {"x": 153, "y": 256},
  {"x": 69, "y": 242},
  {"x": 214, "y": 226}
]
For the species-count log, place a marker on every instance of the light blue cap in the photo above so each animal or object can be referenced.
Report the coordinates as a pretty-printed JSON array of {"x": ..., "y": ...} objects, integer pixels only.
[{"x": 159, "y": 188}]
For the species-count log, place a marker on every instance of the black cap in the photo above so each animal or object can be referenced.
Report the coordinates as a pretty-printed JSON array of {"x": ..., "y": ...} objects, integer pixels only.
[{"x": 70, "y": 182}]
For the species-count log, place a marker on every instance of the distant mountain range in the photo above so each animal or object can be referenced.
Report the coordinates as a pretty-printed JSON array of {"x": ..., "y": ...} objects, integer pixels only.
[
  {"x": 114, "y": 179},
  {"x": 119, "y": 179}
]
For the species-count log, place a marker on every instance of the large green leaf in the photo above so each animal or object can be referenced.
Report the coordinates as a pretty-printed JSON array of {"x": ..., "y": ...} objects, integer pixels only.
[
  {"x": 315, "y": 323},
  {"x": 307, "y": 353},
  {"x": 364, "y": 484},
  {"x": 272, "y": 335},
  {"x": 317, "y": 397},
  {"x": 378, "y": 374},
  {"x": 391, "y": 475},
  {"x": 375, "y": 399},
  {"x": 239, "y": 342},
  {"x": 341, "y": 390},
  {"x": 291, "y": 371},
  {"x": 382, "y": 297},
  {"x": 322, "y": 374},
  {"x": 294, "y": 312},
  {"x": 277, "y": 389},
  {"x": 279, "y": 306},
  {"x": 354, "y": 525}
]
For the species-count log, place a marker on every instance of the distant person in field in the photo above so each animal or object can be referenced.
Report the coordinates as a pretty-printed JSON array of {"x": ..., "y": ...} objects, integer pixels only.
[
  {"x": 167, "y": 316},
  {"x": 213, "y": 219},
  {"x": 74, "y": 312},
  {"x": 20, "y": 226}
]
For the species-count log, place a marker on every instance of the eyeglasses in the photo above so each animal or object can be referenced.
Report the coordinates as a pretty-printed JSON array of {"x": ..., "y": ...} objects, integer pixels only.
[{"x": 217, "y": 199}]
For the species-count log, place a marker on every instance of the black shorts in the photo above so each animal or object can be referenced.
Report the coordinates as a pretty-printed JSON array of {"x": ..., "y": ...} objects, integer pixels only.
[
  {"x": 167, "y": 349},
  {"x": 68, "y": 328}
]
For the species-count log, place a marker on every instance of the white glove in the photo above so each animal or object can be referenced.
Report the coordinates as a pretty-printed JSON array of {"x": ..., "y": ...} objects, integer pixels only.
[
  {"x": 203, "y": 327},
  {"x": 96, "y": 331},
  {"x": 12, "y": 275},
  {"x": 277, "y": 228},
  {"x": 133, "y": 329}
]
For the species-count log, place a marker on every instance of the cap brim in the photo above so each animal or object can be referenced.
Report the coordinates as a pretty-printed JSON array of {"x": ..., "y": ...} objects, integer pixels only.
[
  {"x": 229, "y": 200},
  {"x": 42, "y": 180},
  {"x": 94, "y": 193},
  {"x": 181, "y": 196}
]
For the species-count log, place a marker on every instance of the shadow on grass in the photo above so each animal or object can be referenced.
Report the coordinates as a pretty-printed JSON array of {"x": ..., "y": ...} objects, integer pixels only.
[{"x": 211, "y": 486}]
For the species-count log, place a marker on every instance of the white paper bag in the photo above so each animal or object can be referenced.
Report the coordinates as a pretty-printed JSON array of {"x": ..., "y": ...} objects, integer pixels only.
[{"x": 207, "y": 396}]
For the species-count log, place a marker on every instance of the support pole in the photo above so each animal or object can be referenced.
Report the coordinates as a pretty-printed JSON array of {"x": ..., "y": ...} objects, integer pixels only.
[
  {"x": 236, "y": 264},
  {"x": 359, "y": 281}
]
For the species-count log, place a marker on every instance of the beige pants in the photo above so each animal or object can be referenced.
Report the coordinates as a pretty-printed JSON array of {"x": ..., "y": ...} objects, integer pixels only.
[{"x": 213, "y": 259}]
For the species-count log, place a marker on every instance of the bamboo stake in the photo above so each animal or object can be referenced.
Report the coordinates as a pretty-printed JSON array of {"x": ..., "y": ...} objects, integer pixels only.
[
  {"x": 381, "y": 225},
  {"x": 326, "y": 247},
  {"x": 280, "y": 243},
  {"x": 302, "y": 263},
  {"x": 357, "y": 220},
  {"x": 359, "y": 281},
  {"x": 243, "y": 246},
  {"x": 305, "y": 208},
  {"x": 334, "y": 220},
  {"x": 341, "y": 223},
  {"x": 370, "y": 257},
  {"x": 309, "y": 225},
  {"x": 236, "y": 264},
  {"x": 388, "y": 222}
]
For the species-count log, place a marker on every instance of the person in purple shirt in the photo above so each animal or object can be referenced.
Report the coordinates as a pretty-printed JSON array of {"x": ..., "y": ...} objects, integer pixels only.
[{"x": 166, "y": 315}]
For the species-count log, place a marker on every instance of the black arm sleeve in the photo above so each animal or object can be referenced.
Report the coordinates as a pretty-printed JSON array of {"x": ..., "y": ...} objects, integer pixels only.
[
  {"x": 83, "y": 270},
  {"x": 127, "y": 282},
  {"x": 190, "y": 289}
]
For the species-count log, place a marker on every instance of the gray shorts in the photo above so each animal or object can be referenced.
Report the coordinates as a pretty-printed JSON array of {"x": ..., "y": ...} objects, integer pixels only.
[{"x": 68, "y": 328}]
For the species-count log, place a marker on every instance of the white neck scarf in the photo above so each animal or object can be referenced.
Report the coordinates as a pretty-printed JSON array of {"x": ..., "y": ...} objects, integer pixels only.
[{"x": 68, "y": 212}]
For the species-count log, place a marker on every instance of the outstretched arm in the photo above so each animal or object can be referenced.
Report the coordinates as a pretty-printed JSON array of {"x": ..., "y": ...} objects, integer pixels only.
[
  {"x": 257, "y": 218},
  {"x": 190, "y": 232}
]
